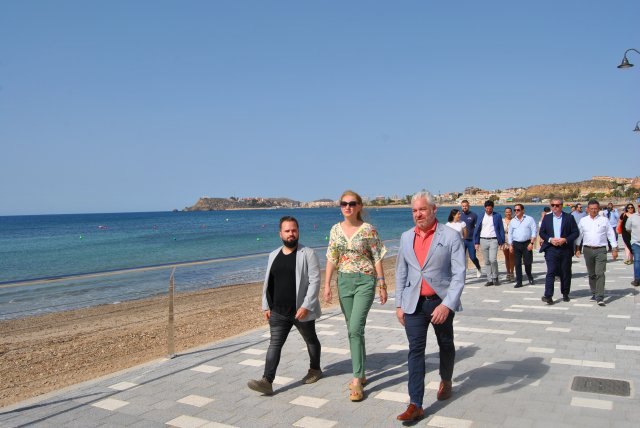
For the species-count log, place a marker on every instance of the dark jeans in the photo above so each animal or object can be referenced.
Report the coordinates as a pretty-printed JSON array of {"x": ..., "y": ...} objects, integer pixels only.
[
  {"x": 521, "y": 253},
  {"x": 558, "y": 263},
  {"x": 471, "y": 249},
  {"x": 280, "y": 326},
  {"x": 416, "y": 325},
  {"x": 635, "y": 248}
]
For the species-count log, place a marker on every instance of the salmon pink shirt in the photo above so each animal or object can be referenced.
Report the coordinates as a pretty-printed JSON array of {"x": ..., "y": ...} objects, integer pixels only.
[{"x": 421, "y": 245}]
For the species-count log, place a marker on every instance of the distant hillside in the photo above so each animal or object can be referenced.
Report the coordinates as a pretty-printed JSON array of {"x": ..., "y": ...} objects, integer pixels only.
[
  {"x": 216, "y": 204},
  {"x": 582, "y": 189}
]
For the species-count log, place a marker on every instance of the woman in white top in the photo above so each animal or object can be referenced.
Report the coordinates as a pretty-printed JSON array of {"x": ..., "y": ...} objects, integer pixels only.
[
  {"x": 508, "y": 255},
  {"x": 454, "y": 223}
]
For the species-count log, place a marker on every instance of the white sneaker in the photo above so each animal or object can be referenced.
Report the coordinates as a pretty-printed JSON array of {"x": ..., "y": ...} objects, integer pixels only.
[{"x": 479, "y": 273}]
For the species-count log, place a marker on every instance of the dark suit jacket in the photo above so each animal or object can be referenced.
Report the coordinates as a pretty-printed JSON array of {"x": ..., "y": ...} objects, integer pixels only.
[
  {"x": 568, "y": 230},
  {"x": 497, "y": 226}
]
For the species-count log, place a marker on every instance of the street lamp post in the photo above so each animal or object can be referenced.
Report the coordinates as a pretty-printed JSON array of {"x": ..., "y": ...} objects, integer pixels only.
[{"x": 625, "y": 62}]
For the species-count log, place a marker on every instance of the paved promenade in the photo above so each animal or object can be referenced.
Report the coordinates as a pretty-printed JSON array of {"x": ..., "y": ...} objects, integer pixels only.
[{"x": 515, "y": 367}]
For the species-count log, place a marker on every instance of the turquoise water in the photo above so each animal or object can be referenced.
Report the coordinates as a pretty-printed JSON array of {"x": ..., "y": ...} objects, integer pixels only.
[{"x": 57, "y": 262}]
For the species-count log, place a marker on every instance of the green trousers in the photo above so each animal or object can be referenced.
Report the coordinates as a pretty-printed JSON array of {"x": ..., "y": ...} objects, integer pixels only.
[{"x": 356, "y": 293}]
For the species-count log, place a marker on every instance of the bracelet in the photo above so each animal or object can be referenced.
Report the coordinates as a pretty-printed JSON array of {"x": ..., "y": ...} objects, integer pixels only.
[
  {"x": 380, "y": 278},
  {"x": 382, "y": 287}
]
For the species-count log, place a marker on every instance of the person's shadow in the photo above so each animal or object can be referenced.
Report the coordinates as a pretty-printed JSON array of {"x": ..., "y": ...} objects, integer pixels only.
[{"x": 511, "y": 375}]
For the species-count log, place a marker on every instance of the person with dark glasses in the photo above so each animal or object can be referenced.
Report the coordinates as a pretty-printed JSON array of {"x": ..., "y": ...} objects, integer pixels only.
[
  {"x": 629, "y": 210},
  {"x": 521, "y": 237},
  {"x": 633, "y": 226},
  {"x": 355, "y": 251},
  {"x": 558, "y": 231}
]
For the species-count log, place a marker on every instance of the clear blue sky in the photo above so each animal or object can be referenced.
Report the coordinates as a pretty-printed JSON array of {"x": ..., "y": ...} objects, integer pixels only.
[{"x": 147, "y": 105}]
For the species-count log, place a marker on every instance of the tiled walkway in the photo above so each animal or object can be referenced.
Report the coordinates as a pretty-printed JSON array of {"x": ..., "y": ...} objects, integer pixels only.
[{"x": 515, "y": 365}]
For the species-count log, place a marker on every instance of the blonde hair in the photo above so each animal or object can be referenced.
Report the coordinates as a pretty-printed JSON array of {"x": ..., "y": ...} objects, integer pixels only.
[{"x": 358, "y": 199}]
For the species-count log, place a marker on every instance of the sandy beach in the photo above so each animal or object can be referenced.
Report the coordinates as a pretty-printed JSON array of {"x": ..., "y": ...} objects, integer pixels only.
[{"x": 49, "y": 352}]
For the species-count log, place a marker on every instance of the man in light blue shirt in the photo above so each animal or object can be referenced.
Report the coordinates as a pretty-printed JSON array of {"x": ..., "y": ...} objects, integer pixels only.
[
  {"x": 578, "y": 213},
  {"x": 613, "y": 216},
  {"x": 521, "y": 238}
]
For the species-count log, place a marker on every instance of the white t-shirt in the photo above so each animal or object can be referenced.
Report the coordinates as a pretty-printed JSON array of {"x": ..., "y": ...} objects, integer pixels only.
[
  {"x": 488, "y": 231},
  {"x": 459, "y": 227}
]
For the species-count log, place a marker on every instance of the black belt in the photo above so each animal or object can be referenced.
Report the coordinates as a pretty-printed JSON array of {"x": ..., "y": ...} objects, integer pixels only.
[
  {"x": 522, "y": 242},
  {"x": 488, "y": 238},
  {"x": 432, "y": 297},
  {"x": 594, "y": 248}
]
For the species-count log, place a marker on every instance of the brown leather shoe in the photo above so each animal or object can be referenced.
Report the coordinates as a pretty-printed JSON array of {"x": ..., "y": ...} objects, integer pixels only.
[
  {"x": 413, "y": 413},
  {"x": 444, "y": 391}
]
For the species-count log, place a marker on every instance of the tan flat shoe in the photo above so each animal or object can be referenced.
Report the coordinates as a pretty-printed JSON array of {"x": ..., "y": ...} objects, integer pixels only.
[{"x": 356, "y": 393}]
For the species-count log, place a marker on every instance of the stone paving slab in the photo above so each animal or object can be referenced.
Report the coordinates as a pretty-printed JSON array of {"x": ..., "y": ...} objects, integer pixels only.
[{"x": 515, "y": 363}]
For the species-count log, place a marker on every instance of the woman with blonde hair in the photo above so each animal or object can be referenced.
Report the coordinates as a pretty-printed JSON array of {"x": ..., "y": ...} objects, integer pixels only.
[{"x": 355, "y": 251}]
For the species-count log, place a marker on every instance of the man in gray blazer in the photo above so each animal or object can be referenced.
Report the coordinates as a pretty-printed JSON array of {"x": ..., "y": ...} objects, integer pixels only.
[
  {"x": 290, "y": 298},
  {"x": 430, "y": 274}
]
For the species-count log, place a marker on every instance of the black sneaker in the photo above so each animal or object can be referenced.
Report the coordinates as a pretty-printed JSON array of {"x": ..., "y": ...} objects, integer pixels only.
[
  {"x": 263, "y": 386},
  {"x": 547, "y": 300},
  {"x": 635, "y": 283},
  {"x": 496, "y": 282},
  {"x": 600, "y": 301},
  {"x": 593, "y": 298},
  {"x": 489, "y": 284},
  {"x": 312, "y": 376},
  {"x": 565, "y": 298},
  {"x": 531, "y": 281},
  {"x": 518, "y": 286}
]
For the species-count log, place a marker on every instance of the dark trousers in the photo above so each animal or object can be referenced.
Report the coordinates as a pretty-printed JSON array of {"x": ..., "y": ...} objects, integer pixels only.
[
  {"x": 636, "y": 261},
  {"x": 558, "y": 263},
  {"x": 280, "y": 326},
  {"x": 596, "y": 261},
  {"x": 520, "y": 254},
  {"x": 416, "y": 325},
  {"x": 471, "y": 249}
]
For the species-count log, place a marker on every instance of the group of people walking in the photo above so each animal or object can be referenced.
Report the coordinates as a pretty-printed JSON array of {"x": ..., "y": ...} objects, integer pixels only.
[
  {"x": 430, "y": 276},
  {"x": 561, "y": 236}
]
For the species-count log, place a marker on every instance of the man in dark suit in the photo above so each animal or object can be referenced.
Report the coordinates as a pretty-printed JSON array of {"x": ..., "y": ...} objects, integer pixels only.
[
  {"x": 488, "y": 236},
  {"x": 558, "y": 232}
]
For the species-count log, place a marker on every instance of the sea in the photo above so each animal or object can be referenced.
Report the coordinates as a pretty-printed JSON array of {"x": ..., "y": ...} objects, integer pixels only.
[{"x": 51, "y": 263}]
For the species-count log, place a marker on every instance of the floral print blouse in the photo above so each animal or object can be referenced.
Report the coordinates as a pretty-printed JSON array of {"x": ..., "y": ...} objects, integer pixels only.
[{"x": 358, "y": 254}]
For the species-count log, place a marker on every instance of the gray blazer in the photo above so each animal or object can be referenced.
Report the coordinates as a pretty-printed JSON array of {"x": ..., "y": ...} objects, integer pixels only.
[
  {"x": 307, "y": 281},
  {"x": 444, "y": 269}
]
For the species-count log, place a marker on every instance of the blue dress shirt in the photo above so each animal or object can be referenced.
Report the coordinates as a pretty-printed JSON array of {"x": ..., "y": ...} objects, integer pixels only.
[
  {"x": 557, "y": 222},
  {"x": 521, "y": 231}
]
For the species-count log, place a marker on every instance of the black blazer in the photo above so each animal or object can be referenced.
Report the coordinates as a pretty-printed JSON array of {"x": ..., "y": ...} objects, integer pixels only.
[{"x": 568, "y": 230}]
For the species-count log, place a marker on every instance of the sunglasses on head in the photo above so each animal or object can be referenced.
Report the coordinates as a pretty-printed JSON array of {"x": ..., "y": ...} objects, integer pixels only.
[
  {"x": 556, "y": 205},
  {"x": 350, "y": 203}
]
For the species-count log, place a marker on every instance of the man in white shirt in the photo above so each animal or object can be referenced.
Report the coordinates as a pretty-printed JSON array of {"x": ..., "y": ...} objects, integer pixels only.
[
  {"x": 595, "y": 231},
  {"x": 488, "y": 236},
  {"x": 521, "y": 238}
]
